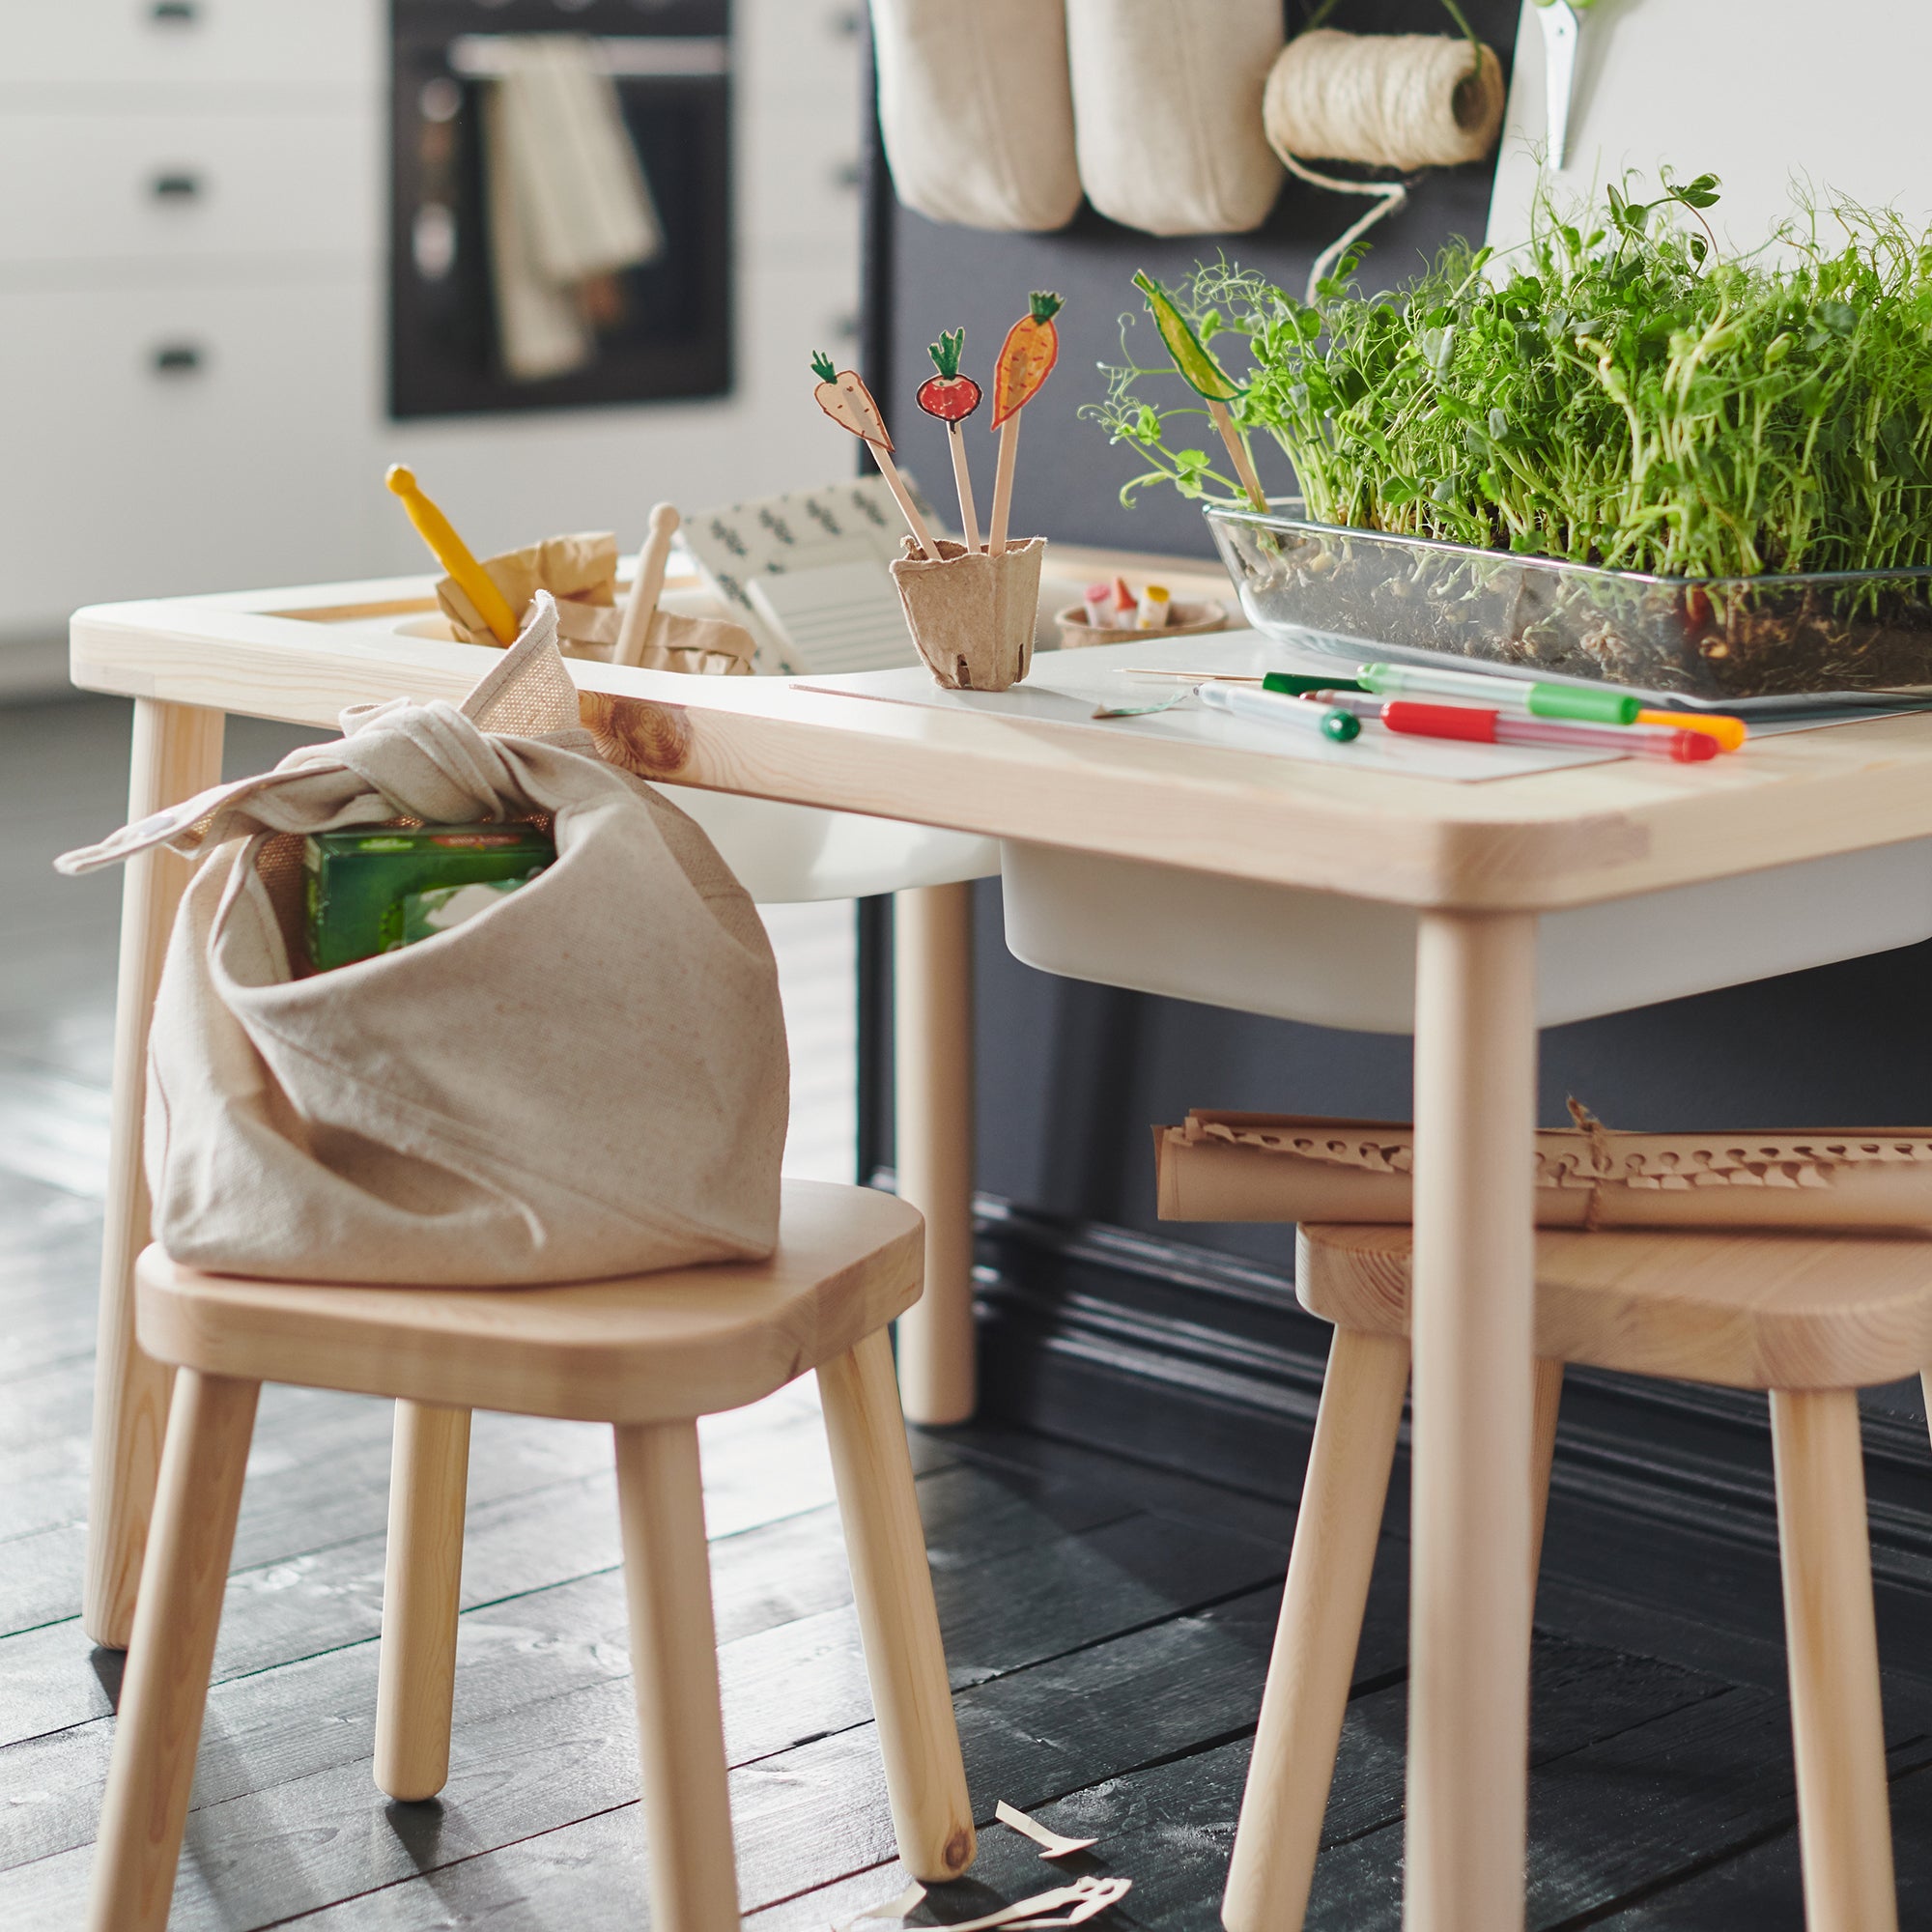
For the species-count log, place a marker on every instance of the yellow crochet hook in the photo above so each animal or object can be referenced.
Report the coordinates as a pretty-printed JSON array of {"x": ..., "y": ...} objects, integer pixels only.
[{"x": 453, "y": 554}]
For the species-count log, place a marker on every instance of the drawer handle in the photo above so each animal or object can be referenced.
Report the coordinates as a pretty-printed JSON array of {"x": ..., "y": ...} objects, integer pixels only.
[
  {"x": 177, "y": 358},
  {"x": 174, "y": 12},
  {"x": 175, "y": 186}
]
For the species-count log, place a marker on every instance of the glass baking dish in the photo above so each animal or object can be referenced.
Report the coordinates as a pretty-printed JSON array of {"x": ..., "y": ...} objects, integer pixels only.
[{"x": 1364, "y": 593}]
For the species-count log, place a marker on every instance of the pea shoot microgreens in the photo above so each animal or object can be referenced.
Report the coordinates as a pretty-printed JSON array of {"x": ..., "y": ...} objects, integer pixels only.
[{"x": 1620, "y": 391}]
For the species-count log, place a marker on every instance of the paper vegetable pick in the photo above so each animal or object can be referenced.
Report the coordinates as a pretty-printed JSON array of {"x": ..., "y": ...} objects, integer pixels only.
[
  {"x": 953, "y": 397},
  {"x": 1025, "y": 361},
  {"x": 844, "y": 397},
  {"x": 1206, "y": 376}
]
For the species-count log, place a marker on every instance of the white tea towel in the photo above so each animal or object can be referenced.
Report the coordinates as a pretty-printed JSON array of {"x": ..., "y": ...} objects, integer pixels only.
[{"x": 567, "y": 196}]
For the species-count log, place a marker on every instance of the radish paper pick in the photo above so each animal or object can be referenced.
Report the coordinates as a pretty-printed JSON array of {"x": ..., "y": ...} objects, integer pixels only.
[{"x": 953, "y": 397}]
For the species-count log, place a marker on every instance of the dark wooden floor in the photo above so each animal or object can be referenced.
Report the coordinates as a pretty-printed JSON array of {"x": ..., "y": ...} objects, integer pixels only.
[{"x": 1107, "y": 1624}]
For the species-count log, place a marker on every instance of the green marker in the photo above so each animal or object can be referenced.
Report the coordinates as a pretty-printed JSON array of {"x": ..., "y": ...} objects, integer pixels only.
[
  {"x": 1580, "y": 702},
  {"x": 1290, "y": 685}
]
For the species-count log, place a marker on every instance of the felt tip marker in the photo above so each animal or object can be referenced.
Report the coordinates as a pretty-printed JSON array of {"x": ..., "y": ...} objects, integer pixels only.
[
  {"x": 1580, "y": 703},
  {"x": 1503, "y": 727},
  {"x": 1263, "y": 707},
  {"x": 1729, "y": 732}
]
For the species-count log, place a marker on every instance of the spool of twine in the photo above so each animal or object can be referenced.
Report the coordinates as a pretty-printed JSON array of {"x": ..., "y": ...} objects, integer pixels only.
[
  {"x": 1388, "y": 100},
  {"x": 1385, "y": 101}
]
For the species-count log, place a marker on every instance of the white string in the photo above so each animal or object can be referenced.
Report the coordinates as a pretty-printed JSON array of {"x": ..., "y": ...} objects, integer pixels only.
[{"x": 1387, "y": 100}]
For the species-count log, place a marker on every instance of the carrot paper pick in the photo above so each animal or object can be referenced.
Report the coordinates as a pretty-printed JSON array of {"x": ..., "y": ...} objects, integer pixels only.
[
  {"x": 1026, "y": 360},
  {"x": 846, "y": 400},
  {"x": 1206, "y": 376},
  {"x": 953, "y": 397}
]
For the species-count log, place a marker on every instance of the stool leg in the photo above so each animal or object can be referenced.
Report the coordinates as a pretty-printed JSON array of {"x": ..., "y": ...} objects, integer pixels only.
[
  {"x": 675, "y": 1673},
  {"x": 1844, "y": 1816},
  {"x": 1543, "y": 1453},
  {"x": 172, "y": 1652},
  {"x": 932, "y": 1114},
  {"x": 1336, "y": 1529},
  {"x": 416, "y": 1683},
  {"x": 905, "y": 1660},
  {"x": 177, "y": 752}
]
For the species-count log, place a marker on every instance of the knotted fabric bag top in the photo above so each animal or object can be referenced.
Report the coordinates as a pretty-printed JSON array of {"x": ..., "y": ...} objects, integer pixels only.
[{"x": 587, "y": 1079}]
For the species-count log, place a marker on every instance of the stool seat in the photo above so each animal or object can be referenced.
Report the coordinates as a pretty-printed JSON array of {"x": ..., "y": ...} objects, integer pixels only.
[
  {"x": 1759, "y": 1311},
  {"x": 654, "y": 1347}
]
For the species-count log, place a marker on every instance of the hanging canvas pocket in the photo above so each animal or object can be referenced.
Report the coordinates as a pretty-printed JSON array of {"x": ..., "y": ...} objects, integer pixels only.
[
  {"x": 975, "y": 110},
  {"x": 1167, "y": 109}
]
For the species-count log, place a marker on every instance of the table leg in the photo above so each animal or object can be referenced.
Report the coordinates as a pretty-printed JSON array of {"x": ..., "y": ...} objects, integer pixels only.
[
  {"x": 932, "y": 1114},
  {"x": 1472, "y": 1404},
  {"x": 177, "y": 752}
]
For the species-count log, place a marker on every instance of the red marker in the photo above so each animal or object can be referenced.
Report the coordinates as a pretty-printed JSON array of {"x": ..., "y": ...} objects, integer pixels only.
[{"x": 1502, "y": 727}]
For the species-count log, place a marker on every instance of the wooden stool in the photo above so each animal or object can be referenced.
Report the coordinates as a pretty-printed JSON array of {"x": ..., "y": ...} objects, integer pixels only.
[
  {"x": 1811, "y": 1318},
  {"x": 649, "y": 1356}
]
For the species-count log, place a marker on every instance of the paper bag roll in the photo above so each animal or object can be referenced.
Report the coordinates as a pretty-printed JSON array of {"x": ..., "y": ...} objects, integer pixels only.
[{"x": 1286, "y": 1166}]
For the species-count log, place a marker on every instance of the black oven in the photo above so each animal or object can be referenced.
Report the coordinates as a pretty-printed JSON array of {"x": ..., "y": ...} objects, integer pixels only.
[{"x": 666, "y": 327}]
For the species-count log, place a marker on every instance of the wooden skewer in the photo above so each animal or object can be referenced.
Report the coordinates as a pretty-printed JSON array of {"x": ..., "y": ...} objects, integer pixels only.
[
  {"x": 962, "y": 477},
  {"x": 1195, "y": 676},
  {"x": 890, "y": 470},
  {"x": 646, "y": 586},
  {"x": 1239, "y": 453},
  {"x": 1002, "y": 484},
  {"x": 454, "y": 554}
]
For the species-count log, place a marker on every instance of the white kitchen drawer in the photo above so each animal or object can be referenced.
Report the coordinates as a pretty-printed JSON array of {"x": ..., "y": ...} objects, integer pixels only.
[
  {"x": 801, "y": 54},
  {"x": 307, "y": 45},
  {"x": 799, "y": 195},
  {"x": 144, "y": 187},
  {"x": 254, "y": 467}
]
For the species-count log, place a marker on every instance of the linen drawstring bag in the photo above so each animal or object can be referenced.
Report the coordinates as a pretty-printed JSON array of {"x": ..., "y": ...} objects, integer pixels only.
[
  {"x": 586, "y": 1079},
  {"x": 1167, "y": 111},
  {"x": 975, "y": 110}
]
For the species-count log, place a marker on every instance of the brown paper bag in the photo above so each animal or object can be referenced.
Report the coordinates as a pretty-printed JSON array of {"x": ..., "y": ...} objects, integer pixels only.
[
  {"x": 1287, "y": 1167},
  {"x": 581, "y": 573}
]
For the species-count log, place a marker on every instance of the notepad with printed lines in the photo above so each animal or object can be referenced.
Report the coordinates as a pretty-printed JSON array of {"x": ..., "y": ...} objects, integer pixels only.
[{"x": 845, "y": 617}]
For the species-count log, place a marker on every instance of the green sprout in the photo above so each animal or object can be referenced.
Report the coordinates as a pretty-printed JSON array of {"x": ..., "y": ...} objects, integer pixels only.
[{"x": 1620, "y": 391}]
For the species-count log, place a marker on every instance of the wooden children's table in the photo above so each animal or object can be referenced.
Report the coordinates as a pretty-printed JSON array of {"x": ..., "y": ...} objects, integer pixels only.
[{"x": 1476, "y": 866}]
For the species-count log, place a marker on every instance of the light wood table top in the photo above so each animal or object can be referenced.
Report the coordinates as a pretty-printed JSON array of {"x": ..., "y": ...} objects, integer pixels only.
[{"x": 1535, "y": 842}]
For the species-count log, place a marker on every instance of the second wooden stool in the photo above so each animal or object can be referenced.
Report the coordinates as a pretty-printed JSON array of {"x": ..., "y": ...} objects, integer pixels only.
[
  {"x": 1812, "y": 1318},
  {"x": 649, "y": 1356}
]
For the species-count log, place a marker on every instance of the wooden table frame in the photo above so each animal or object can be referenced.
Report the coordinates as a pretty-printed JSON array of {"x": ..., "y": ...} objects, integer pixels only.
[{"x": 1477, "y": 862}]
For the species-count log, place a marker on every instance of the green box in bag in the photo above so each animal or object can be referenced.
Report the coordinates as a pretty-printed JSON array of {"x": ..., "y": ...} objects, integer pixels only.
[{"x": 357, "y": 882}]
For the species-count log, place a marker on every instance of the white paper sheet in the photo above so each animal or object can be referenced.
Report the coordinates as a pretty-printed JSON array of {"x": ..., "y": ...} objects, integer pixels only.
[
  {"x": 1067, "y": 687},
  {"x": 840, "y": 618}
]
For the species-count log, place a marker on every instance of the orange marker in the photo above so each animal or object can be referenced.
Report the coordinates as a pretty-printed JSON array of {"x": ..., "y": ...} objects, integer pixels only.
[{"x": 1729, "y": 732}]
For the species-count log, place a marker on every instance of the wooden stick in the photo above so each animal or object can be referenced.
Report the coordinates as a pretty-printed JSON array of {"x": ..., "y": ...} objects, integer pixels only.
[
  {"x": 890, "y": 470},
  {"x": 653, "y": 554},
  {"x": 1239, "y": 453},
  {"x": 962, "y": 477},
  {"x": 1002, "y": 484}
]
